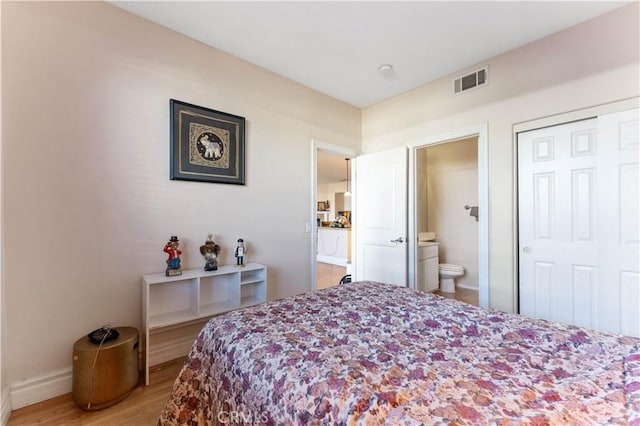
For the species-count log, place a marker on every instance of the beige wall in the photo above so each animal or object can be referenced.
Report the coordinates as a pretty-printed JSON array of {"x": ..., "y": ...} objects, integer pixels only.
[
  {"x": 4, "y": 407},
  {"x": 452, "y": 182},
  {"x": 590, "y": 64},
  {"x": 88, "y": 200}
]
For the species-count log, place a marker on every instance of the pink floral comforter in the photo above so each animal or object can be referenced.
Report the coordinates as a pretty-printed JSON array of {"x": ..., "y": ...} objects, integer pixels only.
[{"x": 368, "y": 353}]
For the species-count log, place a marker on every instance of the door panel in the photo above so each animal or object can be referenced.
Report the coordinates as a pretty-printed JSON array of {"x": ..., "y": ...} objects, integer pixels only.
[
  {"x": 579, "y": 234},
  {"x": 381, "y": 216},
  {"x": 617, "y": 221}
]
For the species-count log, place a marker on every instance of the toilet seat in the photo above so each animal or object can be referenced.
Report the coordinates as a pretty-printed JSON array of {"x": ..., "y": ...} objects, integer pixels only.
[
  {"x": 450, "y": 267},
  {"x": 448, "y": 273}
]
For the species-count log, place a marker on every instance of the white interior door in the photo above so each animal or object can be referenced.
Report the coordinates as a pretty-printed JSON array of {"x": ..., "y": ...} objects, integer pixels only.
[
  {"x": 381, "y": 217},
  {"x": 579, "y": 236}
]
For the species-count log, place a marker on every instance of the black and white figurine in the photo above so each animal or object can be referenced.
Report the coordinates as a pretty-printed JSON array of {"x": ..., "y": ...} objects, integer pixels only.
[{"x": 241, "y": 250}]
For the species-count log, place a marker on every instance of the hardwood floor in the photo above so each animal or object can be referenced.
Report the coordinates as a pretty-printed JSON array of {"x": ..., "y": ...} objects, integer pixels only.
[
  {"x": 461, "y": 294},
  {"x": 142, "y": 407},
  {"x": 328, "y": 275}
]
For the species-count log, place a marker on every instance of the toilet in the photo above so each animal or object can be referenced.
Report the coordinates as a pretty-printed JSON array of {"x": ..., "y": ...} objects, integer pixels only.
[{"x": 448, "y": 274}]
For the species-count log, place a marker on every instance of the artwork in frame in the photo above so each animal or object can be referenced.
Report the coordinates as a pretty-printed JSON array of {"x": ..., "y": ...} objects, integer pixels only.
[{"x": 206, "y": 145}]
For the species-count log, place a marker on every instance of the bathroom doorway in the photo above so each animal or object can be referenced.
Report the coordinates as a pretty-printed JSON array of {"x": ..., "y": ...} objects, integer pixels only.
[
  {"x": 449, "y": 207},
  {"x": 447, "y": 204}
]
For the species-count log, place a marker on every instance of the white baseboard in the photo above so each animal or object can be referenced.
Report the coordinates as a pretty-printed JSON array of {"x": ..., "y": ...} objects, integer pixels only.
[
  {"x": 5, "y": 408},
  {"x": 41, "y": 388},
  {"x": 468, "y": 287}
]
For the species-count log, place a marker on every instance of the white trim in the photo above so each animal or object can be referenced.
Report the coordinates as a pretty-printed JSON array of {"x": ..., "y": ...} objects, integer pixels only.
[
  {"x": 317, "y": 145},
  {"x": 467, "y": 287},
  {"x": 41, "y": 388},
  {"x": 580, "y": 114},
  {"x": 5, "y": 409},
  {"x": 482, "y": 132}
]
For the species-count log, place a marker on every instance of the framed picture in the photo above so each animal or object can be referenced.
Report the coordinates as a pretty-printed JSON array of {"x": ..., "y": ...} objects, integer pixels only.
[{"x": 206, "y": 145}]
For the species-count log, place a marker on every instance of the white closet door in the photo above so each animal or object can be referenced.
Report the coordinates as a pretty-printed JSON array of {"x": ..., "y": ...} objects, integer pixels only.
[
  {"x": 618, "y": 222},
  {"x": 578, "y": 187}
]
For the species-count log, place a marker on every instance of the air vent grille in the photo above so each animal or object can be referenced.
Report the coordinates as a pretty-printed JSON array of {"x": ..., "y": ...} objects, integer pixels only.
[{"x": 469, "y": 81}]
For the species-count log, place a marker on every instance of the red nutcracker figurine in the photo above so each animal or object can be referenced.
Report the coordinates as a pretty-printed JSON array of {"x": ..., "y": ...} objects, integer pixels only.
[{"x": 173, "y": 261}]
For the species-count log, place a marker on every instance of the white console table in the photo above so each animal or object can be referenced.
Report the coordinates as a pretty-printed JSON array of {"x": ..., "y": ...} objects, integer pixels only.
[{"x": 189, "y": 299}]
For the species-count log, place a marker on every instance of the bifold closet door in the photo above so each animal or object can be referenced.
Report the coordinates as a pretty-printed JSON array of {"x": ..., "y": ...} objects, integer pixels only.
[{"x": 579, "y": 233}]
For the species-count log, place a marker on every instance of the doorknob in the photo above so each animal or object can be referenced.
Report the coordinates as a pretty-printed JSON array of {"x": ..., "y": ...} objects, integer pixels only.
[
  {"x": 398, "y": 240},
  {"x": 526, "y": 249}
]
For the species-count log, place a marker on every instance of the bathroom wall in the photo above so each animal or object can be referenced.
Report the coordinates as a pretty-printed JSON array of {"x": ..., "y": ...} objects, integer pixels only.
[{"x": 452, "y": 183}]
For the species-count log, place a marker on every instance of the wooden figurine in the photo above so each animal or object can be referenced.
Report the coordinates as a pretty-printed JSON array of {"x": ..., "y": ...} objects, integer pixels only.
[
  {"x": 210, "y": 251},
  {"x": 173, "y": 261}
]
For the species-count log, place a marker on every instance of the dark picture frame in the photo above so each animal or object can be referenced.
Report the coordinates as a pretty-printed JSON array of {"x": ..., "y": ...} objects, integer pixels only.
[{"x": 206, "y": 145}]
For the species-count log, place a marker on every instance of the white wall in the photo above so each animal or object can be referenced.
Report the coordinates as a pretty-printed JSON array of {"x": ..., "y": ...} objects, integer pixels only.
[
  {"x": 589, "y": 64},
  {"x": 88, "y": 200},
  {"x": 452, "y": 183}
]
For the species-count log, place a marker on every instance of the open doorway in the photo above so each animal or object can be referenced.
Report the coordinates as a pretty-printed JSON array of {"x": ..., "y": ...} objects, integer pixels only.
[
  {"x": 332, "y": 219},
  {"x": 448, "y": 215},
  {"x": 447, "y": 219}
]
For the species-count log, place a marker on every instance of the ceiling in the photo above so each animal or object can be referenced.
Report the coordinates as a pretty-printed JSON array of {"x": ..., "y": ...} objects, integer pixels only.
[
  {"x": 331, "y": 168},
  {"x": 337, "y": 47}
]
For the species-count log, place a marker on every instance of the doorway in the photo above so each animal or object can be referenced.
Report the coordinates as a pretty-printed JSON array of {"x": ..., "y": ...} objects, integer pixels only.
[
  {"x": 447, "y": 214},
  {"x": 331, "y": 219},
  {"x": 450, "y": 216}
]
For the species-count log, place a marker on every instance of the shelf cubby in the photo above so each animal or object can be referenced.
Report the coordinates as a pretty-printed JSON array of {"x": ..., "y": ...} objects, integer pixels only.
[{"x": 196, "y": 295}]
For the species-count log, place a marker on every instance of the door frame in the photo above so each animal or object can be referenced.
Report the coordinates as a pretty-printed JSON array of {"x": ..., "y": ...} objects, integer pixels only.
[
  {"x": 538, "y": 123},
  {"x": 312, "y": 226},
  {"x": 482, "y": 133}
]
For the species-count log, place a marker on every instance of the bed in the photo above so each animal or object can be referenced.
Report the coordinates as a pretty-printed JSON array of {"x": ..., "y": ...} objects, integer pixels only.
[{"x": 369, "y": 353}]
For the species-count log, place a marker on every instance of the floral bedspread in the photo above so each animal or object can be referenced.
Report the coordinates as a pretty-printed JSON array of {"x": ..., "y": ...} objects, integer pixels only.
[{"x": 368, "y": 353}]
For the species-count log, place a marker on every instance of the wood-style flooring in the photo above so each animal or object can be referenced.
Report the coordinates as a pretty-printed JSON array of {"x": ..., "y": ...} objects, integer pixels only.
[
  {"x": 142, "y": 407},
  {"x": 462, "y": 294},
  {"x": 328, "y": 275}
]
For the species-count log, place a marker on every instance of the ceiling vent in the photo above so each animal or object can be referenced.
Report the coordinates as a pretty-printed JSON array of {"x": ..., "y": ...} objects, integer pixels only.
[{"x": 471, "y": 81}]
